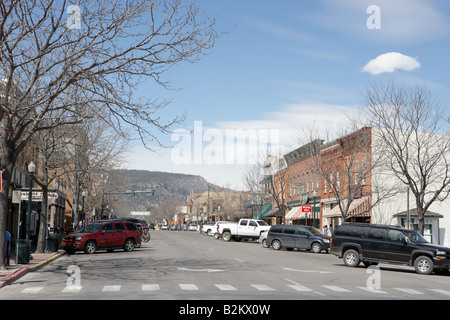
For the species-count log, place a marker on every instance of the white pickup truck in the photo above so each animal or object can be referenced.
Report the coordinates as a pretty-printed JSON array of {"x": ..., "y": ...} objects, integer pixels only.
[{"x": 245, "y": 228}]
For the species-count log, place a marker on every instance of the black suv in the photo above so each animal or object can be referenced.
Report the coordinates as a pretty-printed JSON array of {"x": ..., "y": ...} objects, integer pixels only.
[
  {"x": 373, "y": 244},
  {"x": 296, "y": 236}
]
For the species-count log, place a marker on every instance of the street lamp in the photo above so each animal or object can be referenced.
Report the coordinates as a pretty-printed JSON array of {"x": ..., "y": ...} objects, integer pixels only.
[
  {"x": 31, "y": 170},
  {"x": 24, "y": 246},
  {"x": 314, "y": 210}
]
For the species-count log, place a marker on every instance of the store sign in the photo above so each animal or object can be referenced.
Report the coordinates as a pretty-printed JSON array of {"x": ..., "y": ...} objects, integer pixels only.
[
  {"x": 38, "y": 195},
  {"x": 306, "y": 208}
]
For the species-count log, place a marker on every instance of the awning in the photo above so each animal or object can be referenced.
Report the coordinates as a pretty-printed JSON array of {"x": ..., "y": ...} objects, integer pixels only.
[
  {"x": 266, "y": 208},
  {"x": 292, "y": 212},
  {"x": 356, "y": 206},
  {"x": 275, "y": 212},
  {"x": 413, "y": 214},
  {"x": 302, "y": 215}
]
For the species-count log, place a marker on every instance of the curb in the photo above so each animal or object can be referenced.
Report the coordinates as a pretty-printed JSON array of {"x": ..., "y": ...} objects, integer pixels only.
[{"x": 23, "y": 271}]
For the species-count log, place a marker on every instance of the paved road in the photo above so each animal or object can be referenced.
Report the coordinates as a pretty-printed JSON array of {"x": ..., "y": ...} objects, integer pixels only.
[{"x": 190, "y": 266}]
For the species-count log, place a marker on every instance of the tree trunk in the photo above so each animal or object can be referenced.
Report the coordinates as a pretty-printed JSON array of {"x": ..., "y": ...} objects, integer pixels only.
[
  {"x": 7, "y": 162},
  {"x": 43, "y": 221}
]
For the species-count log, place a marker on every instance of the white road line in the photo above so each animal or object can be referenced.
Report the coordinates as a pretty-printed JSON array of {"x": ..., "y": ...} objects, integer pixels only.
[
  {"x": 188, "y": 286},
  {"x": 372, "y": 290},
  {"x": 336, "y": 288},
  {"x": 409, "y": 291},
  {"x": 150, "y": 287},
  {"x": 262, "y": 287},
  {"x": 237, "y": 259},
  {"x": 72, "y": 289},
  {"x": 32, "y": 290},
  {"x": 441, "y": 291},
  {"x": 114, "y": 288},
  {"x": 225, "y": 287},
  {"x": 299, "y": 287}
]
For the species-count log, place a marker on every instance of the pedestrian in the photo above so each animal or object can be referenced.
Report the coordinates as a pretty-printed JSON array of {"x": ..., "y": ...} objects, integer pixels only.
[
  {"x": 325, "y": 229},
  {"x": 8, "y": 247}
]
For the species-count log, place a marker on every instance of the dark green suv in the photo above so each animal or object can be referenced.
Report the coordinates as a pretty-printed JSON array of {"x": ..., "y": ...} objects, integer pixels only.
[{"x": 373, "y": 244}]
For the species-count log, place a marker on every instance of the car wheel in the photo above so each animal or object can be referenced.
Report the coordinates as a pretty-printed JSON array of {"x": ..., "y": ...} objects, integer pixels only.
[
  {"x": 316, "y": 247},
  {"x": 129, "y": 245},
  {"x": 265, "y": 244},
  {"x": 276, "y": 245},
  {"x": 351, "y": 258},
  {"x": 226, "y": 236},
  {"x": 90, "y": 247},
  {"x": 423, "y": 265}
]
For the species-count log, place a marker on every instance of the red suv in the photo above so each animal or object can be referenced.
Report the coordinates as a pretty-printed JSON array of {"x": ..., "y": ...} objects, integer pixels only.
[{"x": 105, "y": 234}]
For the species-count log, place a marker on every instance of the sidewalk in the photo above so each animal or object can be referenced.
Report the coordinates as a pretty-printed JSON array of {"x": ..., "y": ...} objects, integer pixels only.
[{"x": 14, "y": 272}]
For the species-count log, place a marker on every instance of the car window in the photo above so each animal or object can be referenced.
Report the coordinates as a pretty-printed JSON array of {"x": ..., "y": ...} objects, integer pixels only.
[
  {"x": 289, "y": 231},
  {"x": 302, "y": 232},
  {"x": 252, "y": 224},
  {"x": 108, "y": 228},
  {"x": 119, "y": 227},
  {"x": 130, "y": 226},
  {"x": 276, "y": 230},
  {"x": 351, "y": 231},
  {"x": 377, "y": 233},
  {"x": 395, "y": 235},
  {"x": 243, "y": 222}
]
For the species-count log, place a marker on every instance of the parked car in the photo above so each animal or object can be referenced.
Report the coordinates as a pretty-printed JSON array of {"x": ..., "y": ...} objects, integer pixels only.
[
  {"x": 105, "y": 235},
  {"x": 296, "y": 236},
  {"x": 216, "y": 228},
  {"x": 208, "y": 228},
  {"x": 192, "y": 227},
  {"x": 244, "y": 229},
  {"x": 263, "y": 239},
  {"x": 373, "y": 244}
]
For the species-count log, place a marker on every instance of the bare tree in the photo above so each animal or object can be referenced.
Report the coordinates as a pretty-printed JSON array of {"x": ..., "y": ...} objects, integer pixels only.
[
  {"x": 98, "y": 52},
  {"x": 413, "y": 131}
]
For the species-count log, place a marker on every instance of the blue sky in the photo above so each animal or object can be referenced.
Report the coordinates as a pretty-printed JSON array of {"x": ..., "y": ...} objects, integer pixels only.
[{"x": 293, "y": 63}]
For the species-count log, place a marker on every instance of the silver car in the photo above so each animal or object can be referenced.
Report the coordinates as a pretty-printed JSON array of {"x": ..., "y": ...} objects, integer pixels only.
[{"x": 263, "y": 239}]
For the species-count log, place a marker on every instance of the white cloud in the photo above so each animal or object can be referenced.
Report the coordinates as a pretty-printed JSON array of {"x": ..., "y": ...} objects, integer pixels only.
[
  {"x": 222, "y": 153},
  {"x": 390, "y": 62}
]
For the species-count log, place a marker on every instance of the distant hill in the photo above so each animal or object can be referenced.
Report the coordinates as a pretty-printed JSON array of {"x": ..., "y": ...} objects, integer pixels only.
[{"x": 166, "y": 185}]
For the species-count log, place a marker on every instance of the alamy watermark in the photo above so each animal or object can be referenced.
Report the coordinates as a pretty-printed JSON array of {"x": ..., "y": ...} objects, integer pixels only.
[
  {"x": 222, "y": 146},
  {"x": 74, "y": 20},
  {"x": 374, "y": 20}
]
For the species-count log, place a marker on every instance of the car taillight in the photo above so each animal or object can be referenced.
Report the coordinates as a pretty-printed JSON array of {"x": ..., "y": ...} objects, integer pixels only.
[{"x": 331, "y": 242}]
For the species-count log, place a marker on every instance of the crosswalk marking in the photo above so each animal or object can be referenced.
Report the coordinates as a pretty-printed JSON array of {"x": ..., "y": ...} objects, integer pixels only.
[
  {"x": 72, "y": 289},
  {"x": 150, "y": 287},
  {"x": 336, "y": 288},
  {"x": 114, "y": 288},
  {"x": 299, "y": 287},
  {"x": 409, "y": 291},
  {"x": 188, "y": 286},
  {"x": 225, "y": 287},
  {"x": 373, "y": 290},
  {"x": 441, "y": 291},
  {"x": 32, "y": 290},
  {"x": 262, "y": 287}
]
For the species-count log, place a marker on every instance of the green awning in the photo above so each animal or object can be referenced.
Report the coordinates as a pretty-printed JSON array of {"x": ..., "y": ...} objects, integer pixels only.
[{"x": 266, "y": 208}]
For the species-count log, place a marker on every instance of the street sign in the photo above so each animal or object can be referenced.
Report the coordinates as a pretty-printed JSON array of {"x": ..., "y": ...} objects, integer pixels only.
[
  {"x": 37, "y": 195},
  {"x": 306, "y": 208}
]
